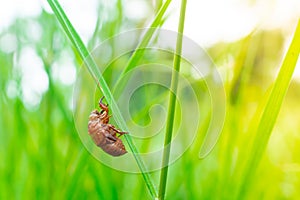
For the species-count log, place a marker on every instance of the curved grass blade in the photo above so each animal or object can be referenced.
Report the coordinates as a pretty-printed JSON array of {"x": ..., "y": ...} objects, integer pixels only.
[
  {"x": 270, "y": 112},
  {"x": 140, "y": 49},
  {"x": 96, "y": 74},
  {"x": 148, "y": 35}
]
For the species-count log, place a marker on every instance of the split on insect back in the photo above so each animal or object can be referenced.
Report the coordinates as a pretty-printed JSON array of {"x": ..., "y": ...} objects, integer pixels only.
[{"x": 104, "y": 134}]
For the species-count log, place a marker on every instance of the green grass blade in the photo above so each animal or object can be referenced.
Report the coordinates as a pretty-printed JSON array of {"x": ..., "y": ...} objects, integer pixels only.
[
  {"x": 172, "y": 104},
  {"x": 148, "y": 35},
  {"x": 140, "y": 49},
  {"x": 271, "y": 110},
  {"x": 95, "y": 72}
]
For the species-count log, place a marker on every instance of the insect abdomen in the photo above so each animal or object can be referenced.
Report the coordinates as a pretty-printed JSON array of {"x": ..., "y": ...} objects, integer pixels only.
[
  {"x": 104, "y": 137},
  {"x": 115, "y": 149}
]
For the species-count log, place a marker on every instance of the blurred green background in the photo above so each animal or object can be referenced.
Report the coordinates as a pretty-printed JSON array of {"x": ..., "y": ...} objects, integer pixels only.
[{"x": 41, "y": 152}]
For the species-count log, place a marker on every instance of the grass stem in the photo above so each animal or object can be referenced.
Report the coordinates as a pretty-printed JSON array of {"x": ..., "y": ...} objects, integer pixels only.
[{"x": 172, "y": 104}]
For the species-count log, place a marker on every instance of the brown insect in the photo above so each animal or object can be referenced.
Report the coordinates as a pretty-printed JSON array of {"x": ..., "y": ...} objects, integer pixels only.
[{"x": 104, "y": 134}]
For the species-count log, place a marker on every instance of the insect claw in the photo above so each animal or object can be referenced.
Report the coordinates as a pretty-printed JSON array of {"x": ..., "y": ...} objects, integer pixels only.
[
  {"x": 102, "y": 105},
  {"x": 122, "y": 133},
  {"x": 100, "y": 102}
]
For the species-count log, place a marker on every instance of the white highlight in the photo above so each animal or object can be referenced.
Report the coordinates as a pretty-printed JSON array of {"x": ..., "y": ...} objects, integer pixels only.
[
  {"x": 34, "y": 80},
  {"x": 210, "y": 22},
  {"x": 63, "y": 70}
]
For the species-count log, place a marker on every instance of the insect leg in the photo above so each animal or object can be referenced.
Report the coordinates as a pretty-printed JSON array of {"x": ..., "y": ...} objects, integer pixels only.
[{"x": 116, "y": 130}]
